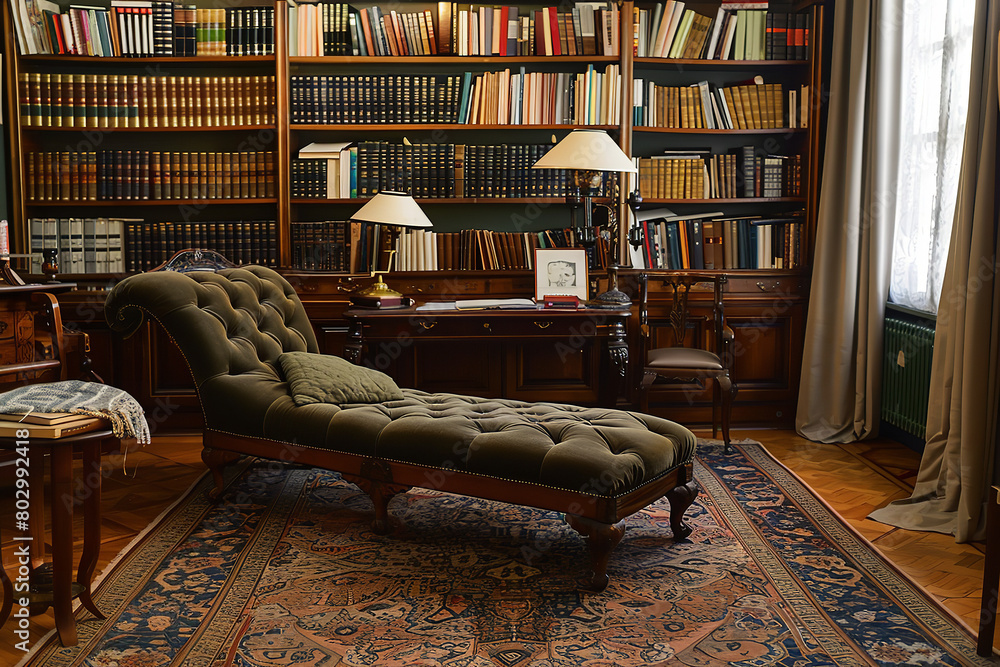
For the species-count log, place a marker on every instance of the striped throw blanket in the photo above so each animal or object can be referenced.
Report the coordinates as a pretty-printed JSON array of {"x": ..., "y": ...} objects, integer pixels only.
[{"x": 88, "y": 398}]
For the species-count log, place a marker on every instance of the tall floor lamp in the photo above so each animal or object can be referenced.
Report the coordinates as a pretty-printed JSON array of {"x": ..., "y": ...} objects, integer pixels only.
[
  {"x": 392, "y": 209},
  {"x": 588, "y": 153}
]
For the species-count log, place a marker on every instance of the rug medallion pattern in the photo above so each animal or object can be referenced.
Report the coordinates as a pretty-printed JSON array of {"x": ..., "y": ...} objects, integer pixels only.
[{"x": 286, "y": 571}]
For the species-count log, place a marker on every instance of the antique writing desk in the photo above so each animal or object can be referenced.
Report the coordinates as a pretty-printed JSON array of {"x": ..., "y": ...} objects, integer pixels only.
[{"x": 555, "y": 355}]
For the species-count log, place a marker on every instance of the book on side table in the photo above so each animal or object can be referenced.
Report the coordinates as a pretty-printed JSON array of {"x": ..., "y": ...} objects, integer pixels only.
[{"x": 48, "y": 425}]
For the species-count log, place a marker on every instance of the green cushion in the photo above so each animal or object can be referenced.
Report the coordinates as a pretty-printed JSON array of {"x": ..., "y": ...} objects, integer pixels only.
[{"x": 322, "y": 378}]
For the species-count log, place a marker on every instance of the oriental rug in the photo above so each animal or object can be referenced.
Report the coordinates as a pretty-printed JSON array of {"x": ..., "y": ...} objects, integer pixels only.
[{"x": 286, "y": 571}]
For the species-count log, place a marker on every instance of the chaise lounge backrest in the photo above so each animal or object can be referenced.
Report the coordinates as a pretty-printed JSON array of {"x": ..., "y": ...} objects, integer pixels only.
[{"x": 253, "y": 307}]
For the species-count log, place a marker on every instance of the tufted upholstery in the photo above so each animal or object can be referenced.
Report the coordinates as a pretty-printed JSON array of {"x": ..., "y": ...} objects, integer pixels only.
[{"x": 232, "y": 325}]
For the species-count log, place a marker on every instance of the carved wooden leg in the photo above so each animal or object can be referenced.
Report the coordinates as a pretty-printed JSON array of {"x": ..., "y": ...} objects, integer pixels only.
[
  {"x": 376, "y": 481},
  {"x": 381, "y": 494},
  {"x": 728, "y": 390},
  {"x": 217, "y": 460},
  {"x": 680, "y": 498},
  {"x": 602, "y": 538},
  {"x": 644, "y": 388}
]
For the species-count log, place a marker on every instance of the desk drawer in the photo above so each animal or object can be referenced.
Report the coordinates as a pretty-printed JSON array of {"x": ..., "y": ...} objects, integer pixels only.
[{"x": 544, "y": 324}]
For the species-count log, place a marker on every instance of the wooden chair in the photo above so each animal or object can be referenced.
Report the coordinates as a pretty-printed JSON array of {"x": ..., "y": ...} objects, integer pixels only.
[{"x": 697, "y": 348}]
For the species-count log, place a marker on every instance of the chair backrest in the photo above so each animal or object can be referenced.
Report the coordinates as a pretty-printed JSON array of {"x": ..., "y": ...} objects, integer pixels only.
[
  {"x": 229, "y": 322},
  {"x": 678, "y": 286}
]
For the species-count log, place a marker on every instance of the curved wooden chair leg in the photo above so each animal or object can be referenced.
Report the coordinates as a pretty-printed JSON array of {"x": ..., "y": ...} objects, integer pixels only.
[
  {"x": 680, "y": 498},
  {"x": 644, "y": 387},
  {"x": 728, "y": 390},
  {"x": 217, "y": 460},
  {"x": 602, "y": 538}
]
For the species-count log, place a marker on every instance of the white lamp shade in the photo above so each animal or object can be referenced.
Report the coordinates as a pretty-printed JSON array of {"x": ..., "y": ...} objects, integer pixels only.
[
  {"x": 393, "y": 208},
  {"x": 586, "y": 150}
]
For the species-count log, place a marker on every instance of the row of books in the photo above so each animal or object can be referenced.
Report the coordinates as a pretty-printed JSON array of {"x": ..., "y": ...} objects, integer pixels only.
[
  {"x": 346, "y": 170},
  {"x": 670, "y": 30},
  {"x": 332, "y": 29},
  {"x": 690, "y": 175},
  {"x": 754, "y": 105},
  {"x": 148, "y": 244},
  {"x": 471, "y": 249},
  {"x": 337, "y": 245},
  {"x": 142, "y": 28},
  {"x": 83, "y": 245},
  {"x": 686, "y": 242},
  {"x": 542, "y": 98},
  {"x": 504, "y": 97},
  {"x": 142, "y": 175},
  {"x": 585, "y": 28},
  {"x": 54, "y": 99},
  {"x": 320, "y": 246},
  {"x": 337, "y": 29}
]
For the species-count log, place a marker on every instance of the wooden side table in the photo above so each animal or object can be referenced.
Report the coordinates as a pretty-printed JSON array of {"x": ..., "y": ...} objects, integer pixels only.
[{"x": 60, "y": 453}]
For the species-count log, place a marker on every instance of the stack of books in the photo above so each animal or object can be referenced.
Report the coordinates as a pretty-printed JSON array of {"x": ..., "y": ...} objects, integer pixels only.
[{"x": 48, "y": 425}]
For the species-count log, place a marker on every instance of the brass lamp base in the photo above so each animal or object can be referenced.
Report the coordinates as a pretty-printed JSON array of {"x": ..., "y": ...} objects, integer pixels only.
[{"x": 379, "y": 289}]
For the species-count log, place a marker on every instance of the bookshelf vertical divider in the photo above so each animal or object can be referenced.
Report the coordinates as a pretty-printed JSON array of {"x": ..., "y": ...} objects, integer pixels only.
[
  {"x": 282, "y": 121},
  {"x": 18, "y": 222}
]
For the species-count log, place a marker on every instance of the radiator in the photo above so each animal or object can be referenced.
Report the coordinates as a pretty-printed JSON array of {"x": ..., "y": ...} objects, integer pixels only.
[{"x": 906, "y": 374}]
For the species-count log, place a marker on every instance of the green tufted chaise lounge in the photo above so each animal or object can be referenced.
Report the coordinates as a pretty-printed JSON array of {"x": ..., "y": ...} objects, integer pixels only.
[{"x": 596, "y": 465}]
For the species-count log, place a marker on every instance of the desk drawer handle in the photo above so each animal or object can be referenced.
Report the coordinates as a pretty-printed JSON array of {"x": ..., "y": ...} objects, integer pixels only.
[
  {"x": 543, "y": 325},
  {"x": 486, "y": 325},
  {"x": 427, "y": 325}
]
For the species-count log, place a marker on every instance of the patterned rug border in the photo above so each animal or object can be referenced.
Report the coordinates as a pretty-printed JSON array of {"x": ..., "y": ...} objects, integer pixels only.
[
  {"x": 864, "y": 552},
  {"x": 857, "y": 535},
  {"x": 179, "y": 520},
  {"x": 192, "y": 502}
]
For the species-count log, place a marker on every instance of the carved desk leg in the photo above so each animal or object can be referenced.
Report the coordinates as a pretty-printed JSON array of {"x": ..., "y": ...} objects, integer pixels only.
[
  {"x": 355, "y": 343},
  {"x": 617, "y": 363},
  {"x": 602, "y": 538}
]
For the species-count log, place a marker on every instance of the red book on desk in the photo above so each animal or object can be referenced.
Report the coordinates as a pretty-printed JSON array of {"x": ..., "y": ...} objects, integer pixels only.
[{"x": 561, "y": 301}]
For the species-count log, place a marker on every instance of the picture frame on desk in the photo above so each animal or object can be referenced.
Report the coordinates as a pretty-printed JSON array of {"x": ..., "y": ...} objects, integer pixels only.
[{"x": 561, "y": 271}]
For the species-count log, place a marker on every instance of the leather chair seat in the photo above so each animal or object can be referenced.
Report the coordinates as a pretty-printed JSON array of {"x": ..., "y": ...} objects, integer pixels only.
[{"x": 683, "y": 357}]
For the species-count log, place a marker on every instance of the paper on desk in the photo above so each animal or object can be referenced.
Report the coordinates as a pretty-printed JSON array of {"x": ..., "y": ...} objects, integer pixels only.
[{"x": 479, "y": 304}]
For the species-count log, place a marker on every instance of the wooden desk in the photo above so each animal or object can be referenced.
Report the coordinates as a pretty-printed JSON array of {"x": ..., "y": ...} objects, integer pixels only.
[{"x": 565, "y": 356}]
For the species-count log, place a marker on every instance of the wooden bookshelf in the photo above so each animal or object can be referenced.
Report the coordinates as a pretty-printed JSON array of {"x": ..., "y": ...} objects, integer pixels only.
[{"x": 768, "y": 377}]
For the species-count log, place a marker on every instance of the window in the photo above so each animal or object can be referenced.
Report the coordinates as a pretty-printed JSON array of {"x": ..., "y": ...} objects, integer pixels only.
[{"x": 936, "y": 56}]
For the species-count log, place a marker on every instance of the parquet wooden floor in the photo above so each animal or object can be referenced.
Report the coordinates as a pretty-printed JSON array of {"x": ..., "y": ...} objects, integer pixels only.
[{"x": 853, "y": 479}]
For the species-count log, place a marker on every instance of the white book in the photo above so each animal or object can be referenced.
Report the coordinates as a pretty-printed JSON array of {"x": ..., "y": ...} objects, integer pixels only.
[
  {"x": 319, "y": 151},
  {"x": 717, "y": 26},
  {"x": 101, "y": 247},
  {"x": 654, "y": 20},
  {"x": 677, "y": 12},
  {"x": 89, "y": 245},
  {"x": 430, "y": 250},
  {"x": 727, "y": 44}
]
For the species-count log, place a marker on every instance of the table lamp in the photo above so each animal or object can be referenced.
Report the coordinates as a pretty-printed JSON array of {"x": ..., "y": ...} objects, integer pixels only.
[
  {"x": 588, "y": 153},
  {"x": 393, "y": 209}
]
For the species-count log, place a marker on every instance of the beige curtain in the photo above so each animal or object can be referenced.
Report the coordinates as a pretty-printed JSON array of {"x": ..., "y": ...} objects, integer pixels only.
[
  {"x": 957, "y": 466},
  {"x": 841, "y": 366}
]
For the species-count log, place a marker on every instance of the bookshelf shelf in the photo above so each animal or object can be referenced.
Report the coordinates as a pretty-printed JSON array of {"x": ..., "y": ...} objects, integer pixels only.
[
  {"x": 682, "y": 130},
  {"x": 726, "y": 200},
  {"x": 447, "y": 60},
  {"x": 701, "y": 63},
  {"x": 128, "y": 203},
  {"x": 173, "y": 60},
  {"x": 457, "y": 200},
  {"x": 133, "y": 130},
  {"x": 415, "y": 127}
]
